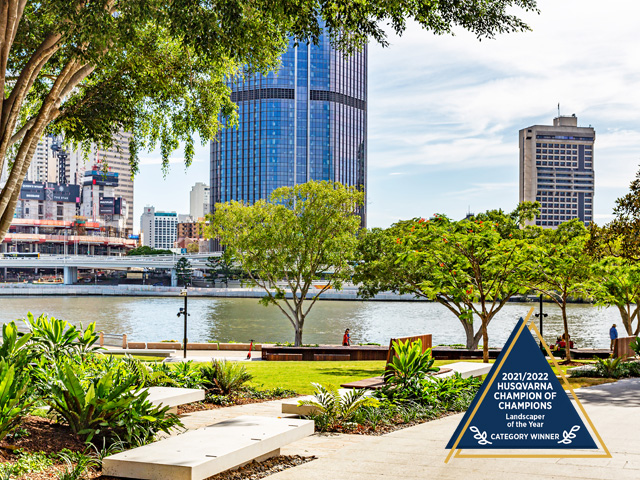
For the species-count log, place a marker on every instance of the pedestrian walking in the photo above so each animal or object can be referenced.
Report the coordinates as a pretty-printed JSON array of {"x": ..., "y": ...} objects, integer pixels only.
[
  {"x": 346, "y": 339},
  {"x": 613, "y": 333}
]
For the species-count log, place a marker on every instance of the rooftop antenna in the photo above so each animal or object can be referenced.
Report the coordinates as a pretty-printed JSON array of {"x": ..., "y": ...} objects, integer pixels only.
[{"x": 558, "y": 109}]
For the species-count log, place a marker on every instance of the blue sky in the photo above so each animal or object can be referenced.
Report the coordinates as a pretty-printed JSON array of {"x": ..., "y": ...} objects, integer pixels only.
[{"x": 444, "y": 113}]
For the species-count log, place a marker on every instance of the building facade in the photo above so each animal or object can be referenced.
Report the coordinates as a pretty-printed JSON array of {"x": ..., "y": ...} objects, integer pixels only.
[
  {"x": 116, "y": 158},
  {"x": 306, "y": 122},
  {"x": 556, "y": 169},
  {"x": 159, "y": 229},
  {"x": 199, "y": 200}
]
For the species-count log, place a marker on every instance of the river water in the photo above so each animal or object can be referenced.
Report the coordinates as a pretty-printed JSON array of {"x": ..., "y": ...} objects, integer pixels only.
[{"x": 242, "y": 319}]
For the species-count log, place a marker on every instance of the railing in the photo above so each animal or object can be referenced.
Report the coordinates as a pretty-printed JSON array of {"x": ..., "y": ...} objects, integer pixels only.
[{"x": 113, "y": 340}]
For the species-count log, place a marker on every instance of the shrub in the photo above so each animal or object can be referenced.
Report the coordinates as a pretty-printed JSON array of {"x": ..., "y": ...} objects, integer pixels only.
[
  {"x": 635, "y": 345},
  {"x": 609, "y": 367},
  {"x": 333, "y": 409},
  {"x": 450, "y": 393},
  {"x": 76, "y": 465},
  {"x": 13, "y": 404},
  {"x": 109, "y": 407},
  {"x": 53, "y": 338},
  {"x": 224, "y": 377},
  {"x": 185, "y": 374},
  {"x": 407, "y": 369},
  {"x": 14, "y": 348}
]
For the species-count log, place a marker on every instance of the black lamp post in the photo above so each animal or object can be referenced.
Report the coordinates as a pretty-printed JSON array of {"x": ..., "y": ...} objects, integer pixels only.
[
  {"x": 183, "y": 311},
  {"x": 541, "y": 315}
]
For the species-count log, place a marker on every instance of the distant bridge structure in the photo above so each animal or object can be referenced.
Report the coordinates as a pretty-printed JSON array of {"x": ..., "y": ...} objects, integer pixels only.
[{"x": 71, "y": 263}]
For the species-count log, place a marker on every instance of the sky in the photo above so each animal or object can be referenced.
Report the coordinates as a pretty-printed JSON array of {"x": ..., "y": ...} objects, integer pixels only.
[{"x": 444, "y": 114}]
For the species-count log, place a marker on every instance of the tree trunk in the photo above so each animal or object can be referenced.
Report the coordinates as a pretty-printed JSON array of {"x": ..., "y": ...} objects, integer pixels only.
[
  {"x": 566, "y": 331},
  {"x": 485, "y": 341},
  {"x": 298, "y": 338},
  {"x": 626, "y": 318},
  {"x": 472, "y": 338}
]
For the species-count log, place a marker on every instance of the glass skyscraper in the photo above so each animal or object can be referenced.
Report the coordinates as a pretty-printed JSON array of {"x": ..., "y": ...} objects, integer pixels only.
[{"x": 307, "y": 121}]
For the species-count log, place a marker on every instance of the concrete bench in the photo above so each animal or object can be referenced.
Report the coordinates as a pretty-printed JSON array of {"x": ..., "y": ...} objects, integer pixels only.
[
  {"x": 137, "y": 353},
  {"x": 173, "y": 396},
  {"x": 468, "y": 369},
  {"x": 201, "y": 453}
]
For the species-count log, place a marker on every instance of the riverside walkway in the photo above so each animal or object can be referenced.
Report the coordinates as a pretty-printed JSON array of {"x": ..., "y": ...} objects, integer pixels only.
[{"x": 418, "y": 452}]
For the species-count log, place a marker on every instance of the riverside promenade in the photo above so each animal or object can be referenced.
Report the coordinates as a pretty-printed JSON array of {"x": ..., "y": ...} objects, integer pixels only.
[{"x": 418, "y": 452}]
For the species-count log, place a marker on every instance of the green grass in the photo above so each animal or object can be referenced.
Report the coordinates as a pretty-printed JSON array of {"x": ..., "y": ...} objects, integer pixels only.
[{"x": 299, "y": 375}]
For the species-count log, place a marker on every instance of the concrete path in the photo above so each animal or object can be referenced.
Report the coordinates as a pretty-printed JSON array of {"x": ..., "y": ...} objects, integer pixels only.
[{"x": 418, "y": 452}]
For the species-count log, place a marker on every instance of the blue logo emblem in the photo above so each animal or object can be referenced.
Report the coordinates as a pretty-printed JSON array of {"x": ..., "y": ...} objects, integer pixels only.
[{"x": 521, "y": 405}]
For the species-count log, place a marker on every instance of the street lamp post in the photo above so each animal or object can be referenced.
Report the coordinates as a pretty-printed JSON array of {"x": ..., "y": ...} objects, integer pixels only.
[
  {"x": 541, "y": 315},
  {"x": 183, "y": 311}
]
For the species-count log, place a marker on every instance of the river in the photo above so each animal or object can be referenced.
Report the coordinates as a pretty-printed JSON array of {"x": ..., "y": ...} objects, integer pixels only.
[{"x": 242, "y": 319}]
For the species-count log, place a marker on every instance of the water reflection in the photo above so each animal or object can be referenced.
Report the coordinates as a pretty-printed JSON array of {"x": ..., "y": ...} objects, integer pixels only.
[{"x": 242, "y": 319}]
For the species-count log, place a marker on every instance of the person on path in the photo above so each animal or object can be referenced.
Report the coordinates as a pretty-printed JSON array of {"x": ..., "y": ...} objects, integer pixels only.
[
  {"x": 613, "y": 333},
  {"x": 346, "y": 339}
]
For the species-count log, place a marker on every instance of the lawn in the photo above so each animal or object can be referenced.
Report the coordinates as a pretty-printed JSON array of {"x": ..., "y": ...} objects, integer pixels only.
[{"x": 298, "y": 376}]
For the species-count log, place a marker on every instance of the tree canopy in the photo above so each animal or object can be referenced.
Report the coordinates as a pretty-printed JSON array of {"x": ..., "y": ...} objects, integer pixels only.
[
  {"x": 158, "y": 69},
  {"x": 304, "y": 233}
]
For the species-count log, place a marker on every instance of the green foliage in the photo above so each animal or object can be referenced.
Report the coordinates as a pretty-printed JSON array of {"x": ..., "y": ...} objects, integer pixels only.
[
  {"x": 609, "y": 367},
  {"x": 76, "y": 466},
  {"x": 408, "y": 366},
  {"x": 14, "y": 404},
  {"x": 635, "y": 345},
  {"x": 26, "y": 463},
  {"x": 109, "y": 406},
  {"x": 145, "y": 250},
  {"x": 14, "y": 348},
  {"x": 224, "y": 377},
  {"x": 222, "y": 269},
  {"x": 615, "y": 282},
  {"x": 295, "y": 238},
  {"x": 184, "y": 271},
  {"x": 53, "y": 338},
  {"x": 332, "y": 409}
]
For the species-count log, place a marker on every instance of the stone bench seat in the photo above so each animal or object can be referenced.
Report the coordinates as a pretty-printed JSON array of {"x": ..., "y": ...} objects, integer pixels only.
[
  {"x": 201, "y": 453},
  {"x": 174, "y": 396}
]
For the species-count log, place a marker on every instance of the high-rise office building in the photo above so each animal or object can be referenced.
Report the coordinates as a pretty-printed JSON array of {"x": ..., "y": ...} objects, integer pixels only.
[
  {"x": 556, "y": 169},
  {"x": 199, "y": 200},
  {"x": 117, "y": 160},
  {"x": 308, "y": 121}
]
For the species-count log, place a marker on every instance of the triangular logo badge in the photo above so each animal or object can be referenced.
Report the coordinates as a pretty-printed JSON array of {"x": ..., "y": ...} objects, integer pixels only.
[{"x": 522, "y": 405}]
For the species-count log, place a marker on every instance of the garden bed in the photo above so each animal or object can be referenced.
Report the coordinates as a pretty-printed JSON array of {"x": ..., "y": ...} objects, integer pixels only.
[{"x": 244, "y": 398}]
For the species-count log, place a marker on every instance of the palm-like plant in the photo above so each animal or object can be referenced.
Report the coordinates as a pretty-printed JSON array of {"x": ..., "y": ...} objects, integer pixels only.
[
  {"x": 332, "y": 408},
  {"x": 609, "y": 367},
  {"x": 14, "y": 347},
  {"x": 13, "y": 405},
  {"x": 224, "y": 377},
  {"x": 407, "y": 369},
  {"x": 53, "y": 337}
]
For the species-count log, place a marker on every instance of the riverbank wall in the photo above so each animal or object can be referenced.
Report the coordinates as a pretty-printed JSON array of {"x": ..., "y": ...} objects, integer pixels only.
[{"x": 18, "y": 289}]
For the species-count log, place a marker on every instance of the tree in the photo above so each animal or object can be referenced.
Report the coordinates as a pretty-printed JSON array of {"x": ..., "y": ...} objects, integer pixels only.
[
  {"x": 193, "y": 247},
  {"x": 616, "y": 282},
  {"x": 144, "y": 250},
  {"x": 184, "y": 271},
  {"x": 158, "y": 69},
  {"x": 560, "y": 267},
  {"x": 621, "y": 236},
  {"x": 302, "y": 233},
  {"x": 471, "y": 267},
  {"x": 221, "y": 268}
]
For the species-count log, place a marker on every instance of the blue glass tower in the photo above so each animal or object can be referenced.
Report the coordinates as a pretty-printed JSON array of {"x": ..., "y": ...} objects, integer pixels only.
[{"x": 308, "y": 121}]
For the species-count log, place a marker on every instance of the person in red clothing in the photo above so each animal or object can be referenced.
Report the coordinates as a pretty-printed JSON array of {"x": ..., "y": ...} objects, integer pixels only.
[{"x": 346, "y": 339}]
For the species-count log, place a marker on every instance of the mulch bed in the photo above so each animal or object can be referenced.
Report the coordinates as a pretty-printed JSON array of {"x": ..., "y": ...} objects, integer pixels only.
[
  {"x": 44, "y": 435},
  {"x": 200, "y": 406},
  {"x": 380, "y": 429}
]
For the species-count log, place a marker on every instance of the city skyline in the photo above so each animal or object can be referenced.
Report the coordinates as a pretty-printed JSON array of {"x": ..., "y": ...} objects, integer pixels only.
[{"x": 444, "y": 115}]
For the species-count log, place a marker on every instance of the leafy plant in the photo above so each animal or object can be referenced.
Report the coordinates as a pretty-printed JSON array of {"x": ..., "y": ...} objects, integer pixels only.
[
  {"x": 635, "y": 345},
  {"x": 26, "y": 463},
  {"x": 14, "y": 346},
  {"x": 224, "y": 377},
  {"x": 332, "y": 408},
  {"x": 76, "y": 465},
  {"x": 609, "y": 367},
  {"x": 110, "y": 406},
  {"x": 13, "y": 404},
  {"x": 408, "y": 368},
  {"x": 53, "y": 338}
]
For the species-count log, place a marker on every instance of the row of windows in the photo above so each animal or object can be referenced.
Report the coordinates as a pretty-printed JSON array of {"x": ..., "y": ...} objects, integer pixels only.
[
  {"x": 562, "y": 164},
  {"x": 562, "y": 145},
  {"x": 564, "y": 137}
]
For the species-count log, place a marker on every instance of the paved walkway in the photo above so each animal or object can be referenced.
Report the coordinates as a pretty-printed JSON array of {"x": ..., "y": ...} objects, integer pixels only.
[{"x": 418, "y": 452}]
